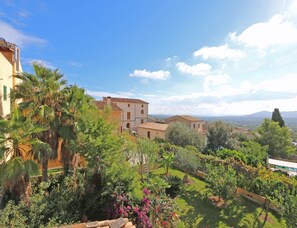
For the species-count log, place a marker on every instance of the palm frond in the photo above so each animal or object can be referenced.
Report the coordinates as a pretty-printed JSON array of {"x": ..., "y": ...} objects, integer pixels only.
[{"x": 31, "y": 167}]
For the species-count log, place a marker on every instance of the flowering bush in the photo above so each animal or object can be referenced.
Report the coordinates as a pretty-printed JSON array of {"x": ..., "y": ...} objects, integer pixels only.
[{"x": 152, "y": 211}]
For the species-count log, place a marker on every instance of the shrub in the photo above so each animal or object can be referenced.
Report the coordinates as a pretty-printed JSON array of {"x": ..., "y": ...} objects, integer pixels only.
[
  {"x": 181, "y": 135},
  {"x": 186, "y": 160},
  {"x": 176, "y": 186},
  {"x": 13, "y": 215},
  {"x": 226, "y": 153}
]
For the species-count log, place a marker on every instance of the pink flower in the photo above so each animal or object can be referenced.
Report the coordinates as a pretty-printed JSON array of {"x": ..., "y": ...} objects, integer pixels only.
[
  {"x": 146, "y": 191},
  {"x": 136, "y": 209}
]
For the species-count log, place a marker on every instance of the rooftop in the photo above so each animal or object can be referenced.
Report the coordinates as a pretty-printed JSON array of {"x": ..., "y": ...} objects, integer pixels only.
[
  {"x": 4, "y": 45},
  {"x": 154, "y": 126},
  {"x": 186, "y": 117},
  {"x": 282, "y": 163},
  {"x": 125, "y": 100}
]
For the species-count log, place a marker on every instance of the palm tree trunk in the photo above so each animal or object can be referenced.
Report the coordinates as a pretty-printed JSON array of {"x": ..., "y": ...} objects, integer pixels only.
[
  {"x": 27, "y": 189},
  {"x": 44, "y": 170}
]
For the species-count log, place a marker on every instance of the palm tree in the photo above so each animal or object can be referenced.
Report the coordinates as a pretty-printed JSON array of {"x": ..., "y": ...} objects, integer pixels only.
[
  {"x": 167, "y": 161},
  {"x": 16, "y": 167},
  {"x": 75, "y": 103},
  {"x": 40, "y": 97}
]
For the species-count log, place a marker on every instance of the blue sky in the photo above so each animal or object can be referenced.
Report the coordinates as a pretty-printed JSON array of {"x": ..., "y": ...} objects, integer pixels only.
[{"x": 183, "y": 57}]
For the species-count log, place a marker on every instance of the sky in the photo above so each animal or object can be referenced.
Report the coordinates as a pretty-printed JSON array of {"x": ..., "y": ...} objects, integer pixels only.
[{"x": 189, "y": 57}]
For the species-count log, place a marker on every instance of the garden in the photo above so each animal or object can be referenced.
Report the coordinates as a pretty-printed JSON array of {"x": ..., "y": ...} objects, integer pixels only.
[{"x": 98, "y": 181}]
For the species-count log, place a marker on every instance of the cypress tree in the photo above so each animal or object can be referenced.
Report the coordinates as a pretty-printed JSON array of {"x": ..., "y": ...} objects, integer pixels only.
[{"x": 276, "y": 117}]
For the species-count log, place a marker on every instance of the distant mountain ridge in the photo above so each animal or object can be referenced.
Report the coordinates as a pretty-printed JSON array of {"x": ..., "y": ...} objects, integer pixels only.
[
  {"x": 251, "y": 121},
  {"x": 266, "y": 114},
  {"x": 262, "y": 114}
]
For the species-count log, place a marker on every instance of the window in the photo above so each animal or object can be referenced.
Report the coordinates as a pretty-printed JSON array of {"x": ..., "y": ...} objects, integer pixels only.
[
  {"x": 128, "y": 105},
  {"x": 128, "y": 125},
  {"x": 141, "y": 106},
  {"x": 149, "y": 134},
  {"x": 4, "y": 93},
  {"x": 128, "y": 115},
  {"x": 194, "y": 126},
  {"x": 141, "y": 121},
  {"x": 142, "y": 111}
]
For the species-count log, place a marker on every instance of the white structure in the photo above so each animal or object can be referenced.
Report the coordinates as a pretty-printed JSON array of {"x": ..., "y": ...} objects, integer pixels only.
[
  {"x": 135, "y": 111},
  {"x": 10, "y": 66},
  {"x": 289, "y": 167}
]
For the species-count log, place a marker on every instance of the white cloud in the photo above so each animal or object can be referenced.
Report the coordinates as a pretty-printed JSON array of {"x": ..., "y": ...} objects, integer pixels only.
[
  {"x": 171, "y": 58},
  {"x": 284, "y": 84},
  {"x": 277, "y": 31},
  {"x": 40, "y": 62},
  {"x": 293, "y": 7},
  {"x": 220, "y": 52},
  {"x": 74, "y": 64},
  {"x": 196, "y": 69},
  {"x": 247, "y": 107},
  {"x": 215, "y": 80},
  {"x": 13, "y": 35},
  {"x": 100, "y": 94},
  {"x": 156, "y": 75},
  {"x": 24, "y": 14},
  {"x": 191, "y": 105}
]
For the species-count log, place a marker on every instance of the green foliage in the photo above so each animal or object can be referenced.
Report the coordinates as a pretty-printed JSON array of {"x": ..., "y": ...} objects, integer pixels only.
[
  {"x": 13, "y": 216},
  {"x": 186, "y": 160},
  {"x": 176, "y": 186},
  {"x": 157, "y": 185},
  {"x": 289, "y": 208},
  {"x": 220, "y": 135},
  {"x": 129, "y": 146},
  {"x": 181, "y": 135},
  {"x": 276, "y": 117},
  {"x": 221, "y": 181},
  {"x": 167, "y": 161},
  {"x": 278, "y": 139},
  {"x": 41, "y": 97},
  {"x": 147, "y": 152},
  {"x": 227, "y": 153},
  {"x": 254, "y": 152},
  {"x": 15, "y": 171}
]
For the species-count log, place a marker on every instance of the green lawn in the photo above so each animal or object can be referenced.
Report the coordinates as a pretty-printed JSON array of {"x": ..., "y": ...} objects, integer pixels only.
[{"x": 196, "y": 210}]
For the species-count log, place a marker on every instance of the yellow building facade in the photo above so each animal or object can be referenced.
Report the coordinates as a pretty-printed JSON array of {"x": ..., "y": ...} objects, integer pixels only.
[
  {"x": 152, "y": 130},
  {"x": 10, "y": 65}
]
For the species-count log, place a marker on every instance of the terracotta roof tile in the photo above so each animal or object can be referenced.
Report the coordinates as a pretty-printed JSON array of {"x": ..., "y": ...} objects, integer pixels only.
[
  {"x": 185, "y": 117},
  {"x": 125, "y": 100},
  {"x": 154, "y": 126}
]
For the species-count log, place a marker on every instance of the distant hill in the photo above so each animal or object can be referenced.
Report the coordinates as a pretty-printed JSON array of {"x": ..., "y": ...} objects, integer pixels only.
[
  {"x": 251, "y": 121},
  {"x": 266, "y": 114},
  {"x": 263, "y": 114}
]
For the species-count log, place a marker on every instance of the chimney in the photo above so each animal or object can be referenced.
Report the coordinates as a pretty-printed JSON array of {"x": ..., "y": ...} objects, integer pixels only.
[
  {"x": 18, "y": 59},
  {"x": 108, "y": 100}
]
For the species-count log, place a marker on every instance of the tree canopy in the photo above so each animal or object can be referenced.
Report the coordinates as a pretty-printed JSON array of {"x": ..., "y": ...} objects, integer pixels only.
[
  {"x": 180, "y": 134},
  {"x": 276, "y": 117},
  {"x": 220, "y": 135},
  {"x": 278, "y": 139}
]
